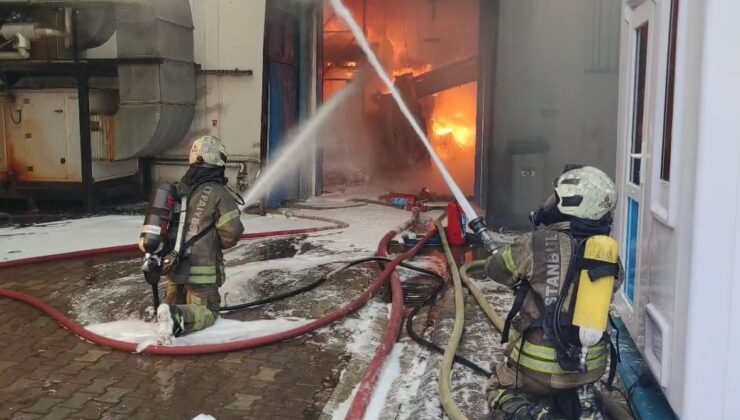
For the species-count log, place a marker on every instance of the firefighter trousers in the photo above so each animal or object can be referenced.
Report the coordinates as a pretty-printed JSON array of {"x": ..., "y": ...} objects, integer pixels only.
[{"x": 198, "y": 304}]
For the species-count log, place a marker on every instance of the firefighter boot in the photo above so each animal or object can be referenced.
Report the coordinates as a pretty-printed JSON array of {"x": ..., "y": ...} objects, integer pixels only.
[
  {"x": 171, "y": 323},
  {"x": 589, "y": 405},
  {"x": 517, "y": 405}
]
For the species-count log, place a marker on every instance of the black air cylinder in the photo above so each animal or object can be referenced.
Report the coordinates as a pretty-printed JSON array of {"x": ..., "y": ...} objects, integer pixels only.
[{"x": 158, "y": 219}]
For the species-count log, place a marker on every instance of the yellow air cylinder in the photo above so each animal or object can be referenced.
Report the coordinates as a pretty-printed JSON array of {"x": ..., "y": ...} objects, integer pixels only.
[{"x": 594, "y": 297}]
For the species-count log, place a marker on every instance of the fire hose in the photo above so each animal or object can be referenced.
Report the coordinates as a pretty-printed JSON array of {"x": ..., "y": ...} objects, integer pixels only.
[
  {"x": 254, "y": 342},
  {"x": 367, "y": 384},
  {"x": 445, "y": 370}
]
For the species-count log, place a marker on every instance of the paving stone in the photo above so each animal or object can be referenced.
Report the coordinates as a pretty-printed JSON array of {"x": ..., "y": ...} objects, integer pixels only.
[
  {"x": 77, "y": 400},
  {"x": 5, "y": 365},
  {"x": 242, "y": 402},
  {"x": 43, "y": 405},
  {"x": 99, "y": 385},
  {"x": 266, "y": 374},
  {"x": 113, "y": 395},
  {"x": 73, "y": 368},
  {"x": 104, "y": 365},
  {"x": 58, "y": 413},
  {"x": 126, "y": 406},
  {"x": 92, "y": 356},
  {"x": 92, "y": 410},
  {"x": 85, "y": 377},
  {"x": 25, "y": 416}
]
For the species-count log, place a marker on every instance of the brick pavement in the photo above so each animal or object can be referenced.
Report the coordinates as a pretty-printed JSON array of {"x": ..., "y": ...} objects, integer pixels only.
[{"x": 47, "y": 373}]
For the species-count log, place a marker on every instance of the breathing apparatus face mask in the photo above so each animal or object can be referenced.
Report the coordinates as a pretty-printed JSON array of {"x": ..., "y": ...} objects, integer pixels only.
[{"x": 548, "y": 213}]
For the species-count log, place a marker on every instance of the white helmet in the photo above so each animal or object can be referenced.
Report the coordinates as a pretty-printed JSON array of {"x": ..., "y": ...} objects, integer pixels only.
[
  {"x": 208, "y": 150},
  {"x": 586, "y": 193}
]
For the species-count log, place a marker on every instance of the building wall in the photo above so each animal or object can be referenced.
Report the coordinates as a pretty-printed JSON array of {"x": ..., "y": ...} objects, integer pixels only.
[
  {"x": 557, "y": 87},
  {"x": 687, "y": 281},
  {"x": 229, "y": 34}
]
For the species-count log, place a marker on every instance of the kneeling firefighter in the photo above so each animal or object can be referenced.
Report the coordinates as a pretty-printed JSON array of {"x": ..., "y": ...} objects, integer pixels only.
[
  {"x": 564, "y": 274},
  {"x": 201, "y": 220}
]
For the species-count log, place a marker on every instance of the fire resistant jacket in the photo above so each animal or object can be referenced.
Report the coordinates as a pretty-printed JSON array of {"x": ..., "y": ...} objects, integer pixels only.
[
  {"x": 543, "y": 259},
  {"x": 210, "y": 207}
]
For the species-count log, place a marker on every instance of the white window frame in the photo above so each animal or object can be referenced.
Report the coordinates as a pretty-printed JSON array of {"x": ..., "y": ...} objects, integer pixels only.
[
  {"x": 664, "y": 196},
  {"x": 637, "y": 13}
]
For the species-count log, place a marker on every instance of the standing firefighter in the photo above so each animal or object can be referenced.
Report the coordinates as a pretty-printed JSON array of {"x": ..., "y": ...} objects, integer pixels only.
[
  {"x": 564, "y": 275},
  {"x": 211, "y": 224}
]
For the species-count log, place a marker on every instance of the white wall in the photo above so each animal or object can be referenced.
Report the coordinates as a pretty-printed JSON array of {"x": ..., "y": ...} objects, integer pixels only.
[
  {"x": 712, "y": 382},
  {"x": 229, "y": 34}
]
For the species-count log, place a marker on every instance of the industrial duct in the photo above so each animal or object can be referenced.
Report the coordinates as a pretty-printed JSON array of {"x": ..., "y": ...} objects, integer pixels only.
[{"x": 156, "y": 77}]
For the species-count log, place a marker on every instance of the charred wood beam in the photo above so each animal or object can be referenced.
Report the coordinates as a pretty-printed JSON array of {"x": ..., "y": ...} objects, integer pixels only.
[{"x": 447, "y": 77}]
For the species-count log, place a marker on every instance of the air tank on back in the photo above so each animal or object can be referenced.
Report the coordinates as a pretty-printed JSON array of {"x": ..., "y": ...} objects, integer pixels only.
[{"x": 159, "y": 218}]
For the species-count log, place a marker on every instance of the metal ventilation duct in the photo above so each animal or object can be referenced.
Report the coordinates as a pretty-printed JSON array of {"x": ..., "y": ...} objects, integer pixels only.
[{"x": 156, "y": 77}]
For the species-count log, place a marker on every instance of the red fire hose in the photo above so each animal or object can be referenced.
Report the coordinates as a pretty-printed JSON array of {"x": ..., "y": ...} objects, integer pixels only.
[
  {"x": 367, "y": 385},
  {"x": 235, "y": 345},
  {"x": 335, "y": 224}
]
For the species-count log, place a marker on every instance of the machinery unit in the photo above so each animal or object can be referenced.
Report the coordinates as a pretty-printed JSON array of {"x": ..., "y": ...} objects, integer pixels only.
[
  {"x": 40, "y": 137},
  {"x": 89, "y": 88}
]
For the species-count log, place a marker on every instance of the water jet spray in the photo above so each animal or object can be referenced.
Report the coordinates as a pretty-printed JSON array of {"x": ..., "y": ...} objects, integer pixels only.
[{"x": 477, "y": 224}]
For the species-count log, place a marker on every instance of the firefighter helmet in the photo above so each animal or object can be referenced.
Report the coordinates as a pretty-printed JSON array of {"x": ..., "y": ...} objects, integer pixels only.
[
  {"x": 208, "y": 150},
  {"x": 586, "y": 193}
]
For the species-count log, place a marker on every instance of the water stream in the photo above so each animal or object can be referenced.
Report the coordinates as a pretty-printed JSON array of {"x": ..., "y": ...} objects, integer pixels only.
[
  {"x": 346, "y": 15},
  {"x": 296, "y": 145}
]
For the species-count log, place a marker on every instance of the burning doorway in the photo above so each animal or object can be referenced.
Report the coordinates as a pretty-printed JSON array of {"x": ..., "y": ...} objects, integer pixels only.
[{"x": 430, "y": 47}]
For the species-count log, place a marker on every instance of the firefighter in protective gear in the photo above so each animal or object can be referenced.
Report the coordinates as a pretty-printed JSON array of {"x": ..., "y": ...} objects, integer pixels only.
[
  {"x": 531, "y": 382},
  {"x": 212, "y": 224}
]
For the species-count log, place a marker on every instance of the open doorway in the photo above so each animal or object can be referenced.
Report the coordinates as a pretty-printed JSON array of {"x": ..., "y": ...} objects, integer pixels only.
[{"x": 431, "y": 49}]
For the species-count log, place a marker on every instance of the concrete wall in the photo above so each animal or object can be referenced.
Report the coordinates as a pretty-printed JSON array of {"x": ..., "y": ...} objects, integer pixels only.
[{"x": 556, "y": 83}]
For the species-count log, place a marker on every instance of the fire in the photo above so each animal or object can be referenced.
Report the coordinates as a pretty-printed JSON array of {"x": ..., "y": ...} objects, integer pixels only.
[
  {"x": 463, "y": 135},
  {"x": 416, "y": 71}
]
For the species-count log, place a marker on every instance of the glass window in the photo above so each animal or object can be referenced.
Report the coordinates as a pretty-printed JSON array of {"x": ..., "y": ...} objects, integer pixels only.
[
  {"x": 633, "y": 222},
  {"x": 638, "y": 117},
  {"x": 665, "y": 161}
]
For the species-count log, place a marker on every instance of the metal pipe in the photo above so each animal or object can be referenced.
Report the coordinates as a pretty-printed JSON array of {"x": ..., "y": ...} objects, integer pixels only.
[
  {"x": 22, "y": 34},
  {"x": 68, "y": 27}
]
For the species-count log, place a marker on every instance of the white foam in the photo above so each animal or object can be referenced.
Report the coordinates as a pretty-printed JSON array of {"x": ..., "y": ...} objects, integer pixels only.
[
  {"x": 204, "y": 417},
  {"x": 109, "y": 231},
  {"x": 391, "y": 371},
  {"x": 223, "y": 331}
]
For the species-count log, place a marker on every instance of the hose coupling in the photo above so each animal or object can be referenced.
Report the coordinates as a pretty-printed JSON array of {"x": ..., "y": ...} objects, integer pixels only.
[{"x": 480, "y": 228}]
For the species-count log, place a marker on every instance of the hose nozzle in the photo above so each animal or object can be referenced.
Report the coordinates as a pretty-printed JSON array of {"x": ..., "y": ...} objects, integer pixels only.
[{"x": 480, "y": 228}]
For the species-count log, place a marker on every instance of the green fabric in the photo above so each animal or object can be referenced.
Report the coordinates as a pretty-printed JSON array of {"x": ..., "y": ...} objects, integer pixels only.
[
  {"x": 197, "y": 317},
  {"x": 509, "y": 262},
  {"x": 535, "y": 363},
  {"x": 202, "y": 269},
  {"x": 228, "y": 217},
  {"x": 204, "y": 274}
]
